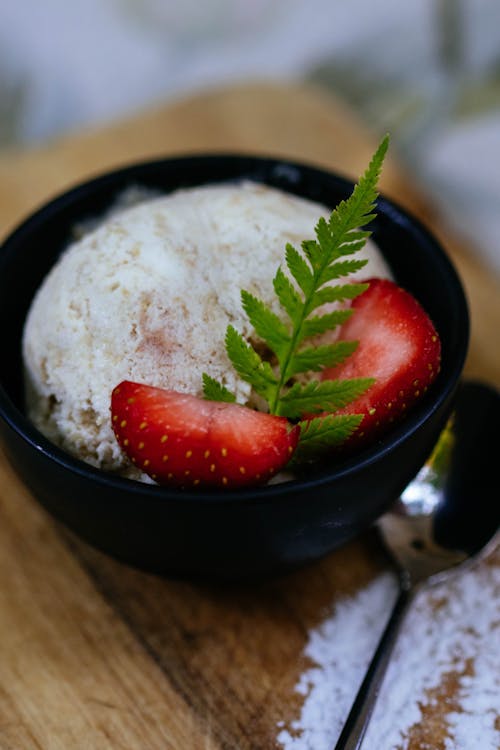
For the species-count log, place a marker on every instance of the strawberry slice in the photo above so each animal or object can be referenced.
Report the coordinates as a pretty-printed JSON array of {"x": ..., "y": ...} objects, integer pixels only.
[
  {"x": 398, "y": 345},
  {"x": 185, "y": 441}
]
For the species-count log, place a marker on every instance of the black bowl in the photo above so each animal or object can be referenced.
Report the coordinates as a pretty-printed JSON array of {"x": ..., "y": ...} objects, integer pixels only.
[{"x": 251, "y": 532}]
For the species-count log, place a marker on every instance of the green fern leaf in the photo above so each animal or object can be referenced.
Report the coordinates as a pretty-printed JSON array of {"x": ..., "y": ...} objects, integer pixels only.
[
  {"x": 319, "y": 396},
  {"x": 316, "y": 358},
  {"x": 289, "y": 298},
  {"x": 339, "y": 269},
  {"x": 339, "y": 293},
  {"x": 319, "y": 324},
  {"x": 299, "y": 269},
  {"x": 313, "y": 252},
  {"x": 215, "y": 391},
  {"x": 249, "y": 365},
  {"x": 267, "y": 325},
  {"x": 321, "y": 434}
]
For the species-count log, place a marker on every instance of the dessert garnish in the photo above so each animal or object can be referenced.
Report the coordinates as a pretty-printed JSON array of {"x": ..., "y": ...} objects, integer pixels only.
[
  {"x": 321, "y": 262},
  {"x": 398, "y": 345},
  {"x": 385, "y": 355},
  {"x": 187, "y": 441}
]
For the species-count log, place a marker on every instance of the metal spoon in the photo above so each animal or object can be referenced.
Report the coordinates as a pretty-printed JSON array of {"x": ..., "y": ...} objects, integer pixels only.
[{"x": 448, "y": 516}]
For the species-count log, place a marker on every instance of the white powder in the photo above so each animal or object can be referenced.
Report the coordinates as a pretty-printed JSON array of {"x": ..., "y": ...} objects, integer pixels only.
[
  {"x": 341, "y": 647},
  {"x": 451, "y": 630}
]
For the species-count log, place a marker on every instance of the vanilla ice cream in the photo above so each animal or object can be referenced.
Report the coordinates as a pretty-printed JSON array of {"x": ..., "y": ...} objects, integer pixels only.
[{"x": 147, "y": 296}]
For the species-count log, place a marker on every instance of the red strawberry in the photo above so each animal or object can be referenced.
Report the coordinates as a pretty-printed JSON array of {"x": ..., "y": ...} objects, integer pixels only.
[
  {"x": 186, "y": 441},
  {"x": 398, "y": 345}
]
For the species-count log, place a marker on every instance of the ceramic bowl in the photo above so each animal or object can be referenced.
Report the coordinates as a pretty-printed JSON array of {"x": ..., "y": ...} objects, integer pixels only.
[{"x": 252, "y": 532}]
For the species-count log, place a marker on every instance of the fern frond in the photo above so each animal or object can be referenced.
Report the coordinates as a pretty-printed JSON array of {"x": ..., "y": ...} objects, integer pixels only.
[
  {"x": 215, "y": 391},
  {"x": 321, "y": 434},
  {"x": 303, "y": 286}
]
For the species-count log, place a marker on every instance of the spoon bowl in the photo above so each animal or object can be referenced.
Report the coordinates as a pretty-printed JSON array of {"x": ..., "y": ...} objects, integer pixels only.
[
  {"x": 450, "y": 513},
  {"x": 446, "y": 518}
]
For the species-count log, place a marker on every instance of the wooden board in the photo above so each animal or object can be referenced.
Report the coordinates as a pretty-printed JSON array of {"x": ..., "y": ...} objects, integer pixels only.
[{"x": 94, "y": 654}]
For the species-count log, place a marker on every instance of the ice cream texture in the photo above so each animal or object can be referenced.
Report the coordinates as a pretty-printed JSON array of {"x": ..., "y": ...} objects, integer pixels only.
[{"x": 147, "y": 296}]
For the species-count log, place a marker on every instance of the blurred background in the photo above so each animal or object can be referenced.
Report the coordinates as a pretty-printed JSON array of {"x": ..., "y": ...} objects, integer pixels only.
[{"x": 426, "y": 70}]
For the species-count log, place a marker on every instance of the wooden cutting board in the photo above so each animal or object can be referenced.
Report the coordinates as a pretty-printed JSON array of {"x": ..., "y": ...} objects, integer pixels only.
[{"x": 96, "y": 655}]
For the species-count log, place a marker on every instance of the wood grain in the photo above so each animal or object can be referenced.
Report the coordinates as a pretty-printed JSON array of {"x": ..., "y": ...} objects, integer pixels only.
[{"x": 94, "y": 654}]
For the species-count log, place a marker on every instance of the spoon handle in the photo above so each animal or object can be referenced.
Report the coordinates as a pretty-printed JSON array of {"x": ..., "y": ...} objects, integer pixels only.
[{"x": 356, "y": 723}]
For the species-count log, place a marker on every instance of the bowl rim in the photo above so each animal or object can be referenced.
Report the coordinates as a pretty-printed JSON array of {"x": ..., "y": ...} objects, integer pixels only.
[{"x": 442, "y": 390}]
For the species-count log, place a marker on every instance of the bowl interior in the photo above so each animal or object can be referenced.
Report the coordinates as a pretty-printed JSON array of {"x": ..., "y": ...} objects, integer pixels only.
[
  {"x": 416, "y": 260},
  {"x": 414, "y": 257}
]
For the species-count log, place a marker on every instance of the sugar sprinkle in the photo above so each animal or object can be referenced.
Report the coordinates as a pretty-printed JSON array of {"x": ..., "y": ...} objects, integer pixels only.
[{"x": 451, "y": 632}]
